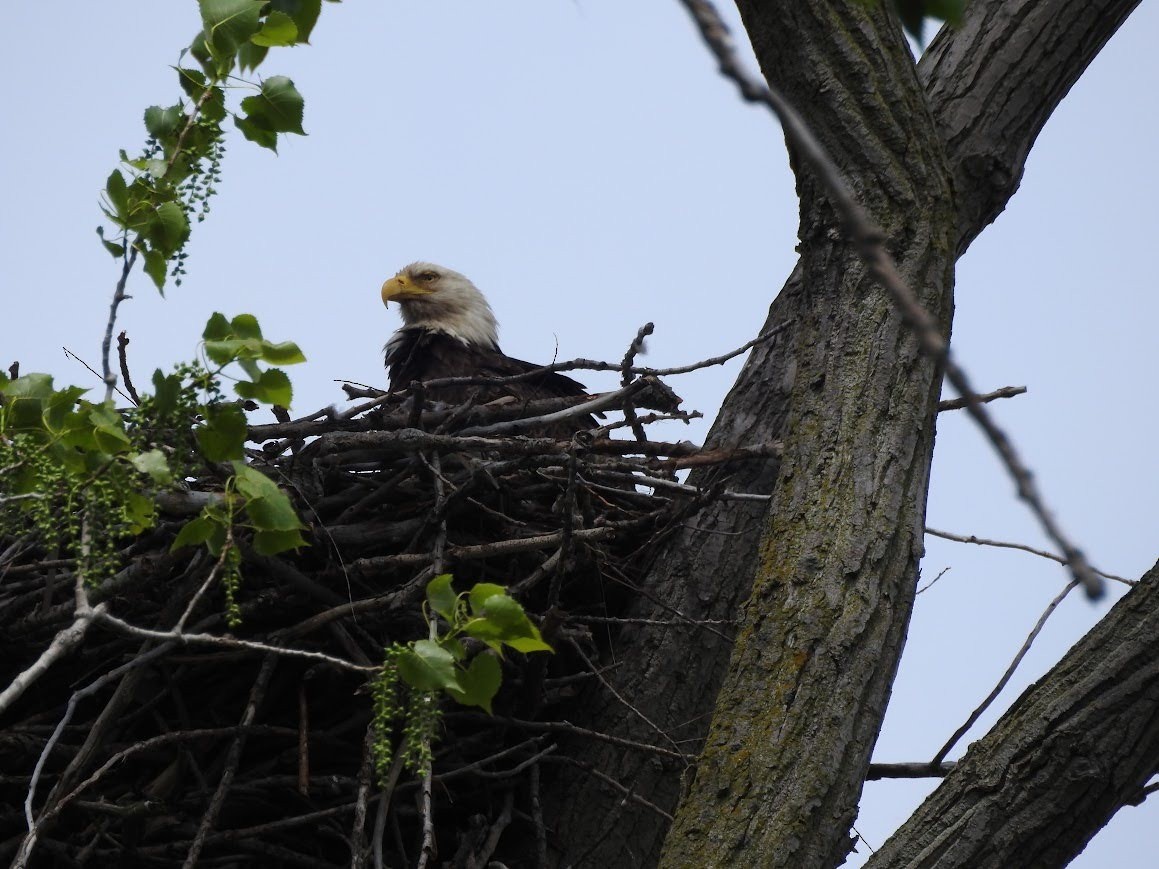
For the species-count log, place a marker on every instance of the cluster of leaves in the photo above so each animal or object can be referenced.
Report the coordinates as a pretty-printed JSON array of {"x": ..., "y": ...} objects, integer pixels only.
[
  {"x": 72, "y": 472},
  {"x": 249, "y": 497},
  {"x": 83, "y": 475},
  {"x": 407, "y": 690},
  {"x": 151, "y": 202}
]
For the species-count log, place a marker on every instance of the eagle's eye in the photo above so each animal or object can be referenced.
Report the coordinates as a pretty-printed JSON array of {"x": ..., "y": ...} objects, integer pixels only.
[{"x": 427, "y": 277}]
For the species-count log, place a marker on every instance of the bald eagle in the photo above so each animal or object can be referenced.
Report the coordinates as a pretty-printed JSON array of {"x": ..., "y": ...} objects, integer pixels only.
[{"x": 449, "y": 330}]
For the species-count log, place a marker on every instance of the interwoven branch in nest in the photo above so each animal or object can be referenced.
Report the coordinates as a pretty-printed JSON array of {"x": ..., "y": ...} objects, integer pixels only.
[{"x": 140, "y": 725}]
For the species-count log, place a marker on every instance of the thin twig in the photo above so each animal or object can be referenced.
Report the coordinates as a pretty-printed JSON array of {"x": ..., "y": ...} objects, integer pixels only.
[
  {"x": 985, "y": 704},
  {"x": 960, "y": 403},
  {"x": 233, "y": 758},
  {"x": 629, "y": 410},
  {"x": 1022, "y": 547},
  {"x": 481, "y": 859},
  {"x": 870, "y": 243},
  {"x": 428, "y": 848},
  {"x": 122, "y": 356},
  {"x": 227, "y": 642}
]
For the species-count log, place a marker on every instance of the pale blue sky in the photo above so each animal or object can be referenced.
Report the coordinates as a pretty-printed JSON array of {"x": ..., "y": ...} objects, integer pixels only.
[{"x": 585, "y": 165}]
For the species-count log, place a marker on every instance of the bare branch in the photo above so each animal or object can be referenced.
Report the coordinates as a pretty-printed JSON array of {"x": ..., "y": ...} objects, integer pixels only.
[
  {"x": 1001, "y": 544},
  {"x": 985, "y": 704},
  {"x": 959, "y": 403}
]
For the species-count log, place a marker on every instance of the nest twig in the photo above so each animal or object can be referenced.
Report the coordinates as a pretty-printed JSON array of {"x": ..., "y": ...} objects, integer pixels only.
[{"x": 165, "y": 739}]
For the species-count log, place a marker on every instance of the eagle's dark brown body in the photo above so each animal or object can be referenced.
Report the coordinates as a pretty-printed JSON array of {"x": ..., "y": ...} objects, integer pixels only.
[{"x": 421, "y": 355}]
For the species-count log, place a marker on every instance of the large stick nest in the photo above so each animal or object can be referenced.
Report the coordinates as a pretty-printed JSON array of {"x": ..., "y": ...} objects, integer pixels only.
[{"x": 163, "y": 751}]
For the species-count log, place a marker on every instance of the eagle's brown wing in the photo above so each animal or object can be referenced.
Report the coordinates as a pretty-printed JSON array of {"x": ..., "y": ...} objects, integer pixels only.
[{"x": 423, "y": 355}]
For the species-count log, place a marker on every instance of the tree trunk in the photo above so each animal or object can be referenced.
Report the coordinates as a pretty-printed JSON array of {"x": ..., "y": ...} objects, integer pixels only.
[
  {"x": 989, "y": 86},
  {"x": 781, "y": 772}
]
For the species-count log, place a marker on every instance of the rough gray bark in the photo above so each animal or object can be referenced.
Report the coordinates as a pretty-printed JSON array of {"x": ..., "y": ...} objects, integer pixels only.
[
  {"x": 990, "y": 87},
  {"x": 1076, "y": 746},
  {"x": 795, "y": 721}
]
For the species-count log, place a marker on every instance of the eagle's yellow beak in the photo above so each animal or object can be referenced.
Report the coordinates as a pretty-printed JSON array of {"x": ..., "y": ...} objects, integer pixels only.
[{"x": 401, "y": 285}]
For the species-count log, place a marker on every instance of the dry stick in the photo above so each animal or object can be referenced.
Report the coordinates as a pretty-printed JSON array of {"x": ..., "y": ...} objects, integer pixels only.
[
  {"x": 303, "y": 741},
  {"x": 673, "y": 486},
  {"x": 226, "y": 642},
  {"x": 122, "y": 343},
  {"x": 985, "y": 704},
  {"x": 119, "y": 295},
  {"x": 930, "y": 584},
  {"x": 476, "y": 766},
  {"x": 908, "y": 770},
  {"x": 257, "y": 694},
  {"x": 484, "y": 856},
  {"x": 628, "y": 793},
  {"x": 537, "y": 819},
  {"x": 384, "y": 801},
  {"x": 365, "y": 775},
  {"x": 63, "y": 643},
  {"x": 629, "y": 410},
  {"x": 869, "y": 241},
  {"x": 49, "y": 812},
  {"x": 959, "y": 403},
  {"x": 608, "y": 685},
  {"x": 213, "y": 572},
  {"x": 608, "y": 400},
  {"x": 567, "y": 533},
  {"x": 595, "y": 365},
  {"x": 1022, "y": 547},
  {"x": 428, "y": 848}
]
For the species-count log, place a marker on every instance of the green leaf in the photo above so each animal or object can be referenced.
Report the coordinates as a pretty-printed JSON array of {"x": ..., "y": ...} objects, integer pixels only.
[
  {"x": 229, "y": 24},
  {"x": 246, "y": 326},
  {"x": 283, "y": 353},
  {"x": 117, "y": 250},
  {"x": 427, "y": 666},
  {"x": 169, "y": 228},
  {"x": 271, "y": 387},
  {"x": 252, "y": 483},
  {"x": 529, "y": 644},
  {"x": 250, "y": 56},
  {"x": 35, "y": 385},
  {"x": 303, "y": 12},
  {"x": 276, "y": 109},
  {"x": 154, "y": 464},
  {"x": 224, "y": 352},
  {"x": 156, "y": 267},
  {"x": 139, "y": 512},
  {"x": 506, "y": 612},
  {"x": 166, "y": 392},
  {"x": 480, "y": 682},
  {"x": 117, "y": 192},
  {"x": 222, "y": 437},
  {"x": 273, "y": 542},
  {"x": 481, "y": 592},
  {"x": 108, "y": 427},
  {"x": 278, "y": 29},
  {"x": 273, "y": 513},
  {"x": 216, "y": 328},
  {"x": 442, "y": 598},
  {"x": 163, "y": 123},
  {"x": 204, "y": 529},
  {"x": 192, "y": 81},
  {"x": 256, "y": 133}
]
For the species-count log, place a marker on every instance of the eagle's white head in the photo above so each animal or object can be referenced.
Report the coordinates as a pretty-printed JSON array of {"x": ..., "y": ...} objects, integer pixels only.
[{"x": 441, "y": 300}]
